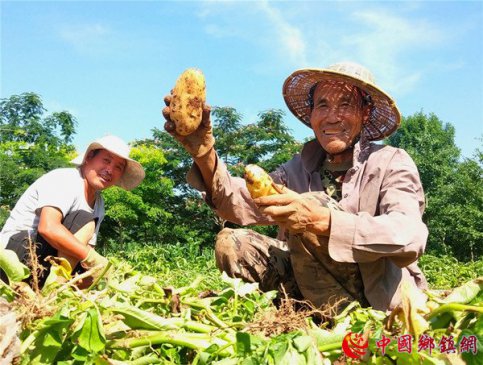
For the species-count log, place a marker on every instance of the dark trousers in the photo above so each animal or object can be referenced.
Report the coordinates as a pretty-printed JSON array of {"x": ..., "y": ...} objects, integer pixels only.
[{"x": 19, "y": 243}]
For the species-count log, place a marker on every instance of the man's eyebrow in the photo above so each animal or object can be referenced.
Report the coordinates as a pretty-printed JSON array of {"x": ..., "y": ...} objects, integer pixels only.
[{"x": 123, "y": 161}]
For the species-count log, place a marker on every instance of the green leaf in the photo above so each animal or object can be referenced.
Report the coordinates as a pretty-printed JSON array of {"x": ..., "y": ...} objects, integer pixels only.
[
  {"x": 49, "y": 339},
  {"x": 80, "y": 354},
  {"x": 6, "y": 292},
  {"x": 243, "y": 344},
  {"x": 278, "y": 350},
  {"x": 91, "y": 336},
  {"x": 14, "y": 269},
  {"x": 302, "y": 343},
  {"x": 52, "y": 340},
  {"x": 477, "y": 330}
]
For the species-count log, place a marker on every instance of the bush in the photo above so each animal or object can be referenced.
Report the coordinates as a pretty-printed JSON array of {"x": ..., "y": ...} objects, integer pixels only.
[
  {"x": 176, "y": 264},
  {"x": 445, "y": 272}
]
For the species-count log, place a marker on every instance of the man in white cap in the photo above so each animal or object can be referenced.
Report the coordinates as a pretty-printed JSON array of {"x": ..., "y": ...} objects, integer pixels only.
[
  {"x": 62, "y": 210},
  {"x": 350, "y": 212}
]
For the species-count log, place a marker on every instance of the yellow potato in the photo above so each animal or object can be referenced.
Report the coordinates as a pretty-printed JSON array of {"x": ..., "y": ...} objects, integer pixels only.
[
  {"x": 259, "y": 183},
  {"x": 189, "y": 95}
]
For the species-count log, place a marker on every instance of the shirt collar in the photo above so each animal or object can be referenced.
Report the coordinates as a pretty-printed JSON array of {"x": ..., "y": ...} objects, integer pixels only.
[{"x": 313, "y": 155}]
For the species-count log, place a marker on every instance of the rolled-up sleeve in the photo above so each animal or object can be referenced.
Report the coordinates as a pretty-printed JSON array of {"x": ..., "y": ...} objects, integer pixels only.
[
  {"x": 229, "y": 196},
  {"x": 396, "y": 231}
]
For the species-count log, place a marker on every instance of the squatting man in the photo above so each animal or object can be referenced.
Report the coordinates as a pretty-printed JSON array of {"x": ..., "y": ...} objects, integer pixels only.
[
  {"x": 350, "y": 209},
  {"x": 62, "y": 210}
]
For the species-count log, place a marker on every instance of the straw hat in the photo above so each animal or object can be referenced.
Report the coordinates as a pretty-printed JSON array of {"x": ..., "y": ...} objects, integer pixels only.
[
  {"x": 133, "y": 173},
  {"x": 385, "y": 116}
]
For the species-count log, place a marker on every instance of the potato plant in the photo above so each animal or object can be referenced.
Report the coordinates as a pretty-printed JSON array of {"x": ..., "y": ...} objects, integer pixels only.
[{"x": 135, "y": 318}]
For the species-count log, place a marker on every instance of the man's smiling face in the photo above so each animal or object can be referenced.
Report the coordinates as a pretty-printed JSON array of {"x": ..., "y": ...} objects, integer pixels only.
[
  {"x": 337, "y": 115},
  {"x": 103, "y": 169}
]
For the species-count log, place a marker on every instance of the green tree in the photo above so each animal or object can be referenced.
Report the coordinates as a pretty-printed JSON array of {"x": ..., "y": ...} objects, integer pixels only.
[
  {"x": 453, "y": 188},
  {"x": 456, "y": 221},
  {"x": 266, "y": 142},
  {"x": 139, "y": 215},
  {"x": 430, "y": 142},
  {"x": 31, "y": 144}
]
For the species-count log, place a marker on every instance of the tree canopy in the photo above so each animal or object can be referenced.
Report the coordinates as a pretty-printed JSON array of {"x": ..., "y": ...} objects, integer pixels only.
[
  {"x": 453, "y": 188},
  {"x": 31, "y": 144}
]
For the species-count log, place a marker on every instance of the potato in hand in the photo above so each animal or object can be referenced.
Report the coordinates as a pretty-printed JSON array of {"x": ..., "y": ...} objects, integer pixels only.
[
  {"x": 187, "y": 99},
  {"x": 259, "y": 183}
]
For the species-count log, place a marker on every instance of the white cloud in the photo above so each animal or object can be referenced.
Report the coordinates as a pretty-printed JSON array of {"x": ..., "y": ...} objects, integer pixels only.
[
  {"x": 289, "y": 36},
  {"x": 85, "y": 37},
  {"x": 384, "y": 42},
  {"x": 386, "y": 39},
  {"x": 258, "y": 22}
]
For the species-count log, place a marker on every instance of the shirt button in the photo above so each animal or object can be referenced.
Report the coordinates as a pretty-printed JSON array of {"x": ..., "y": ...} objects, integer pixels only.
[{"x": 346, "y": 195}]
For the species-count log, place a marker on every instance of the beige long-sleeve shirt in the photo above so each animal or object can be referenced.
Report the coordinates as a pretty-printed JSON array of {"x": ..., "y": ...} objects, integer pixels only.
[{"x": 380, "y": 228}]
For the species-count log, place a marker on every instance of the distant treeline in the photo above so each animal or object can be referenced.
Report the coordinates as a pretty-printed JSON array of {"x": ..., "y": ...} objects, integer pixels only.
[{"x": 164, "y": 209}]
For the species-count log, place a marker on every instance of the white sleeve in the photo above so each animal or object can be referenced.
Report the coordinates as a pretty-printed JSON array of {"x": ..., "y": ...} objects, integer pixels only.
[{"x": 56, "y": 190}]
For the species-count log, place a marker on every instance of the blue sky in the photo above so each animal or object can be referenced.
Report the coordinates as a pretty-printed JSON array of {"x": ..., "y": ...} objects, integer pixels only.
[{"x": 110, "y": 63}]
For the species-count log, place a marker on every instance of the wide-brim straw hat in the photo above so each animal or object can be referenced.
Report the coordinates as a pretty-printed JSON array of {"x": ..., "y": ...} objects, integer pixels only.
[
  {"x": 133, "y": 173},
  {"x": 385, "y": 117}
]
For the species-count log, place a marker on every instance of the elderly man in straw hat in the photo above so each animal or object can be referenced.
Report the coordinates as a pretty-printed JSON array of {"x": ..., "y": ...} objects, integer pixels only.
[
  {"x": 350, "y": 213},
  {"x": 63, "y": 209}
]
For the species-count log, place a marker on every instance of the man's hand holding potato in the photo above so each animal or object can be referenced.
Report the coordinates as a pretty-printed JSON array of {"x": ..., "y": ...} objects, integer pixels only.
[
  {"x": 187, "y": 116},
  {"x": 199, "y": 142},
  {"x": 295, "y": 212}
]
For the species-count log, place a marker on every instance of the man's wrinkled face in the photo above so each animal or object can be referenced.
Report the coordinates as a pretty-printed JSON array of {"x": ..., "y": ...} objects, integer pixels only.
[
  {"x": 337, "y": 115},
  {"x": 103, "y": 170}
]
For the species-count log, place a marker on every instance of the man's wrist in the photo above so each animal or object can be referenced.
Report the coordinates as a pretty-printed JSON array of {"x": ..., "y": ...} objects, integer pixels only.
[
  {"x": 204, "y": 149},
  {"x": 87, "y": 250},
  {"x": 205, "y": 155}
]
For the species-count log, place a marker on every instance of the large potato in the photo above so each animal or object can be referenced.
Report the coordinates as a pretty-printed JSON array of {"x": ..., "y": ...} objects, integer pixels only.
[
  {"x": 259, "y": 183},
  {"x": 188, "y": 97}
]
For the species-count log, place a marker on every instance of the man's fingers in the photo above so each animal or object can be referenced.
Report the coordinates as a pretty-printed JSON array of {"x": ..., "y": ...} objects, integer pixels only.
[
  {"x": 282, "y": 189},
  {"x": 169, "y": 127},
  {"x": 277, "y": 199},
  {"x": 165, "y": 112},
  {"x": 277, "y": 212},
  {"x": 167, "y": 99}
]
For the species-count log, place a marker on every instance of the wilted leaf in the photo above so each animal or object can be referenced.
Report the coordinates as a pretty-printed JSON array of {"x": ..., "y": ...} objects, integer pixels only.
[
  {"x": 466, "y": 292},
  {"x": 59, "y": 271}
]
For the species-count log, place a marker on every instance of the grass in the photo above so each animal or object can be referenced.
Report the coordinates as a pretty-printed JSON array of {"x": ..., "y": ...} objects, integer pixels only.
[{"x": 178, "y": 265}]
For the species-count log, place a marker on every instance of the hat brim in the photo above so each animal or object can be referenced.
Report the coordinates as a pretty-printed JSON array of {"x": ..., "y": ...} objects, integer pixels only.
[
  {"x": 385, "y": 117},
  {"x": 133, "y": 172}
]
